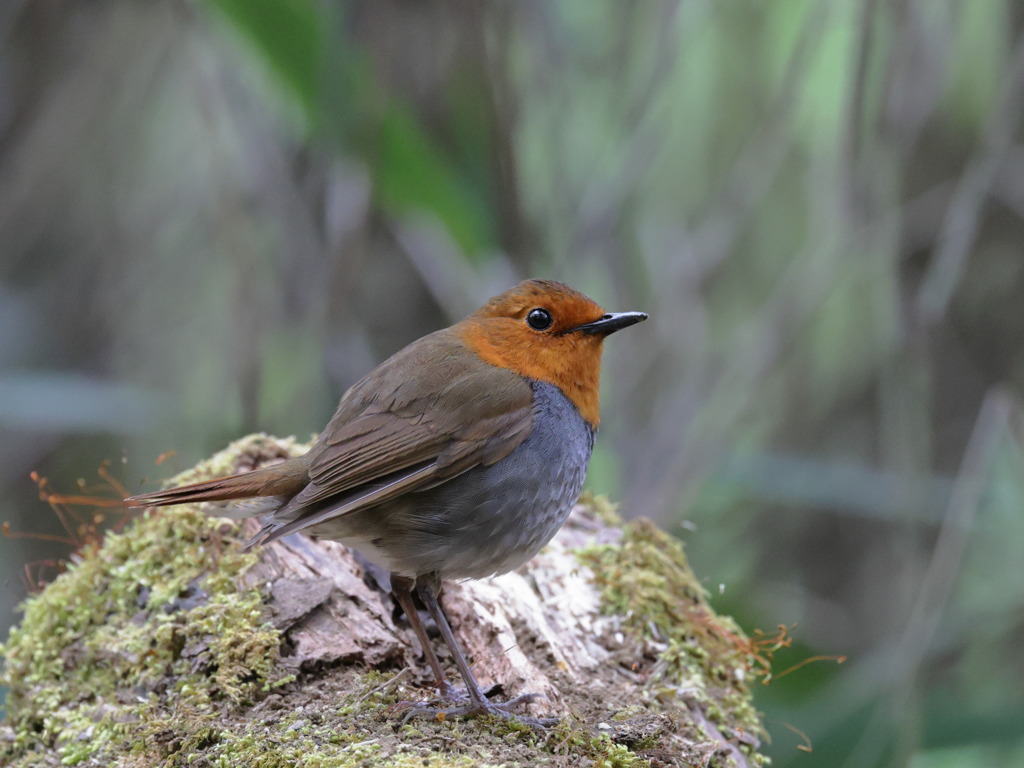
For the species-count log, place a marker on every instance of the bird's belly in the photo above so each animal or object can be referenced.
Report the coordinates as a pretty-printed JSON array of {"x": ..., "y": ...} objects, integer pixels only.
[{"x": 489, "y": 519}]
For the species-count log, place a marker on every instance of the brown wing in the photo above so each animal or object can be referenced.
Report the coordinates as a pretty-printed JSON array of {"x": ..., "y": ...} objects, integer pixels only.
[{"x": 420, "y": 418}]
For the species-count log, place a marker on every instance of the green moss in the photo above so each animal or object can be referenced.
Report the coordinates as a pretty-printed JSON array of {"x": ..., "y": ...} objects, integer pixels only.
[
  {"x": 147, "y": 652},
  {"x": 157, "y": 602},
  {"x": 603, "y": 508},
  {"x": 647, "y": 582}
]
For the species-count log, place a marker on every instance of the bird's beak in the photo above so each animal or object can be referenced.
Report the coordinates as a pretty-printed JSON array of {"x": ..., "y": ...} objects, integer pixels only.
[{"x": 612, "y": 322}]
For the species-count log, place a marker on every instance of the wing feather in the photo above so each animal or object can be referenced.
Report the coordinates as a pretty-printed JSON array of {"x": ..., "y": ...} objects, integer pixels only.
[
  {"x": 359, "y": 499},
  {"x": 394, "y": 433}
]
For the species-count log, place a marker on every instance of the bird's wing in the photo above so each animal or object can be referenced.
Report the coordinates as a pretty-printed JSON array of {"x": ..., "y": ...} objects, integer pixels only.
[{"x": 419, "y": 419}]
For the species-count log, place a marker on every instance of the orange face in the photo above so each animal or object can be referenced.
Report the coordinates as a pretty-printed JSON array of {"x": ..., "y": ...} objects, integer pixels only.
[{"x": 538, "y": 329}]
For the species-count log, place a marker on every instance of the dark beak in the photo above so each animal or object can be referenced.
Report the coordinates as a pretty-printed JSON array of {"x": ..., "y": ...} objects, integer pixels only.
[{"x": 612, "y": 322}]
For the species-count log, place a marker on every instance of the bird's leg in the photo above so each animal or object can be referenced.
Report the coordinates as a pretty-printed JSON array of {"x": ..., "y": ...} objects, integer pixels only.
[
  {"x": 428, "y": 588},
  {"x": 401, "y": 588},
  {"x": 428, "y": 594}
]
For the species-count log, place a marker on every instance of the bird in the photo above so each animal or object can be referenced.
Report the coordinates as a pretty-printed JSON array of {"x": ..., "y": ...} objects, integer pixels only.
[{"x": 459, "y": 457}]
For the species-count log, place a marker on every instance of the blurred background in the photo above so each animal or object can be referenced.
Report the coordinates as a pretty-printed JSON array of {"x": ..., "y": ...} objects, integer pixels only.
[{"x": 216, "y": 215}]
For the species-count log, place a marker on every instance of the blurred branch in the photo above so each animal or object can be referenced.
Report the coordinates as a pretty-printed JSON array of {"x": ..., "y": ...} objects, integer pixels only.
[
  {"x": 971, "y": 481},
  {"x": 942, "y": 572},
  {"x": 855, "y": 117},
  {"x": 762, "y": 158},
  {"x": 1009, "y": 185},
  {"x": 806, "y": 481},
  {"x": 430, "y": 250},
  {"x": 43, "y": 156},
  {"x": 603, "y": 201},
  {"x": 747, "y": 182},
  {"x": 960, "y": 226},
  {"x": 856, "y": 182}
]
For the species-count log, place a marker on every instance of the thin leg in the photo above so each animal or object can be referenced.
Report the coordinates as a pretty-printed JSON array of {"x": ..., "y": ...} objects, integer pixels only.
[
  {"x": 428, "y": 587},
  {"x": 401, "y": 588},
  {"x": 428, "y": 594}
]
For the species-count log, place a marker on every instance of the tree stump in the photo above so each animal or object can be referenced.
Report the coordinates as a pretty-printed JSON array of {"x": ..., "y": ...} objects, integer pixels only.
[{"x": 166, "y": 645}]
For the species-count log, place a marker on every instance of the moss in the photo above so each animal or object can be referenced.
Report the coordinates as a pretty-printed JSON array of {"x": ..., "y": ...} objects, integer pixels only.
[
  {"x": 585, "y": 747},
  {"x": 147, "y": 652},
  {"x": 603, "y": 508},
  {"x": 702, "y": 657},
  {"x": 155, "y": 603}
]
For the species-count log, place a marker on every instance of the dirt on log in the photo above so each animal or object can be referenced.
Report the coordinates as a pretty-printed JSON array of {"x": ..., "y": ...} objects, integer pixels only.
[{"x": 165, "y": 645}]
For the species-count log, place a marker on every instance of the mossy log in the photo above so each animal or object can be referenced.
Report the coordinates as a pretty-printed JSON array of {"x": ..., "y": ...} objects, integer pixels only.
[{"x": 165, "y": 645}]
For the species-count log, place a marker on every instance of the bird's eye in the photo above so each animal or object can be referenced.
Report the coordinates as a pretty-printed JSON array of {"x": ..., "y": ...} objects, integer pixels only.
[{"x": 539, "y": 319}]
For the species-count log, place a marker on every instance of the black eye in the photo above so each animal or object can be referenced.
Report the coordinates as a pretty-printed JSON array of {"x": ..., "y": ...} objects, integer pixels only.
[{"x": 539, "y": 319}]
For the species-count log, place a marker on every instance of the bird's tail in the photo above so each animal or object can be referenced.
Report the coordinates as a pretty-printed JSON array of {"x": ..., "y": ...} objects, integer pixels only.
[{"x": 284, "y": 479}]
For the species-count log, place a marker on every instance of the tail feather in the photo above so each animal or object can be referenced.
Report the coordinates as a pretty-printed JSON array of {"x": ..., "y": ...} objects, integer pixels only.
[{"x": 284, "y": 479}]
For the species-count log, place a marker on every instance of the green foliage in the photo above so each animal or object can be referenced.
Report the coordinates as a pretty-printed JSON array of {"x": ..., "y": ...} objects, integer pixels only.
[
  {"x": 412, "y": 176},
  {"x": 290, "y": 37}
]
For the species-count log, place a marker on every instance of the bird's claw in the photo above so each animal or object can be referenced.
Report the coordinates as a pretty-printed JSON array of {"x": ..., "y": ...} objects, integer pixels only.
[{"x": 466, "y": 707}]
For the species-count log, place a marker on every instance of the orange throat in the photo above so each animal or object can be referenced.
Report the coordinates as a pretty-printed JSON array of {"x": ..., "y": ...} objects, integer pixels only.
[{"x": 572, "y": 362}]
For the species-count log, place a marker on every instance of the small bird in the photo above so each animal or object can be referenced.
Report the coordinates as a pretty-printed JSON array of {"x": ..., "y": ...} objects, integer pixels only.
[{"x": 459, "y": 457}]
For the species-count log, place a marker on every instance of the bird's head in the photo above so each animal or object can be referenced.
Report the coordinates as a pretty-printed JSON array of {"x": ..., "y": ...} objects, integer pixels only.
[{"x": 548, "y": 331}]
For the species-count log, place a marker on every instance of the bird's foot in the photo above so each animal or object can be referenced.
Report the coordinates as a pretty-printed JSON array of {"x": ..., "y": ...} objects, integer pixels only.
[{"x": 458, "y": 704}]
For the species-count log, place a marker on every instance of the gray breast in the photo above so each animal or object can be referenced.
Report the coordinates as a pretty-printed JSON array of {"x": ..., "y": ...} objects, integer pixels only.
[{"x": 487, "y": 520}]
